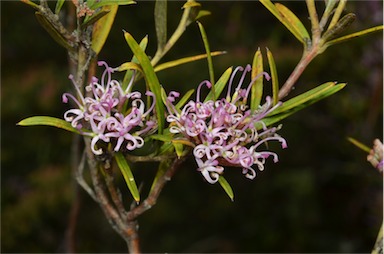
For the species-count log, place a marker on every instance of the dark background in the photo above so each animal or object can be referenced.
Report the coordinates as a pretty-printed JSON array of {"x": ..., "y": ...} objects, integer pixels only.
[{"x": 322, "y": 196}]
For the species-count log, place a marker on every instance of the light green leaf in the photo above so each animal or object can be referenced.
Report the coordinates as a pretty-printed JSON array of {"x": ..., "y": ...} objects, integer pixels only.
[
  {"x": 58, "y": 6},
  {"x": 275, "y": 11},
  {"x": 184, "y": 60},
  {"x": 179, "y": 149},
  {"x": 202, "y": 13},
  {"x": 102, "y": 27},
  {"x": 162, "y": 137},
  {"x": 50, "y": 121},
  {"x": 190, "y": 4},
  {"x": 128, "y": 176},
  {"x": 359, "y": 145},
  {"x": 184, "y": 99},
  {"x": 274, "y": 77},
  {"x": 227, "y": 188},
  {"x": 150, "y": 78},
  {"x": 208, "y": 51},
  {"x": 301, "y": 101},
  {"x": 313, "y": 94},
  {"x": 257, "y": 87},
  {"x": 161, "y": 23},
  {"x": 300, "y": 32},
  {"x": 219, "y": 86},
  {"x": 99, "y": 4},
  {"x": 354, "y": 35},
  {"x": 128, "y": 75},
  {"x": 337, "y": 14}
]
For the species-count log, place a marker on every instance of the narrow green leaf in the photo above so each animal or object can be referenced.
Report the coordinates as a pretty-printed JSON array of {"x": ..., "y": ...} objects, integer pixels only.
[
  {"x": 354, "y": 35},
  {"x": 300, "y": 32},
  {"x": 359, "y": 145},
  {"x": 179, "y": 149},
  {"x": 150, "y": 77},
  {"x": 219, "y": 86},
  {"x": 128, "y": 176},
  {"x": 275, "y": 79},
  {"x": 32, "y": 4},
  {"x": 184, "y": 60},
  {"x": 312, "y": 94},
  {"x": 58, "y": 6},
  {"x": 53, "y": 32},
  {"x": 337, "y": 14},
  {"x": 227, "y": 188},
  {"x": 184, "y": 99},
  {"x": 98, "y": 4},
  {"x": 50, "y": 121},
  {"x": 162, "y": 137},
  {"x": 257, "y": 87},
  {"x": 161, "y": 23},
  {"x": 89, "y": 20},
  {"x": 163, "y": 166},
  {"x": 208, "y": 51},
  {"x": 102, "y": 27},
  {"x": 202, "y": 13},
  {"x": 190, "y": 4},
  {"x": 273, "y": 9},
  {"x": 128, "y": 75}
]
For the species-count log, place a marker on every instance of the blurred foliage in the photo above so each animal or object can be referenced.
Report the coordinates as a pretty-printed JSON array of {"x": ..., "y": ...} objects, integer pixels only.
[{"x": 321, "y": 197}]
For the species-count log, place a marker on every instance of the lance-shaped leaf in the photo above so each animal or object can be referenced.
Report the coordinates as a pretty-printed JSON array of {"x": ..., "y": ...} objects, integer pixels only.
[
  {"x": 98, "y": 4},
  {"x": 58, "y": 6},
  {"x": 219, "y": 86},
  {"x": 340, "y": 26},
  {"x": 353, "y": 35},
  {"x": 337, "y": 14},
  {"x": 295, "y": 23},
  {"x": 128, "y": 176},
  {"x": 185, "y": 60},
  {"x": 292, "y": 27},
  {"x": 208, "y": 51},
  {"x": 89, "y": 20},
  {"x": 161, "y": 23},
  {"x": 257, "y": 87},
  {"x": 227, "y": 188},
  {"x": 128, "y": 75},
  {"x": 102, "y": 27},
  {"x": 274, "y": 77},
  {"x": 49, "y": 121},
  {"x": 184, "y": 99},
  {"x": 53, "y": 31},
  {"x": 301, "y": 101},
  {"x": 150, "y": 78},
  {"x": 359, "y": 144}
]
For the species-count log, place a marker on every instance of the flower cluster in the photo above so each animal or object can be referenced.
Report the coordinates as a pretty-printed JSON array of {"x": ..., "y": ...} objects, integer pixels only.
[
  {"x": 225, "y": 132},
  {"x": 102, "y": 113}
]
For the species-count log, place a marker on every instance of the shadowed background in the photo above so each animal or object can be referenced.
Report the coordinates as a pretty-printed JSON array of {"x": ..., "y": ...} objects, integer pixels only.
[{"x": 322, "y": 196}]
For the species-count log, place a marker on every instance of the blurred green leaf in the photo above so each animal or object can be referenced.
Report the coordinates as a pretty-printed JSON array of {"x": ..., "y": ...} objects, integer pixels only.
[
  {"x": 343, "y": 23},
  {"x": 53, "y": 32},
  {"x": 359, "y": 144},
  {"x": 285, "y": 21},
  {"x": 179, "y": 149},
  {"x": 162, "y": 137},
  {"x": 128, "y": 75},
  {"x": 353, "y": 35},
  {"x": 89, "y": 20},
  {"x": 208, "y": 51},
  {"x": 301, "y": 101},
  {"x": 128, "y": 176},
  {"x": 190, "y": 4},
  {"x": 219, "y": 86},
  {"x": 150, "y": 78},
  {"x": 99, "y": 4},
  {"x": 227, "y": 188},
  {"x": 50, "y": 121},
  {"x": 301, "y": 32},
  {"x": 102, "y": 27},
  {"x": 202, "y": 13},
  {"x": 163, "y": 166},
  {"x": 161, "y": 23},
  {"x": 337, "y": 13},
  {"x": 257, "y": 87},
  {"x": 184, "y": 60},
  {"x": 184, "y": 99},
  {"x": 32, "y": 4},
  {"x": 274, "y": 77},
  {"x": 58, "y": 6}
]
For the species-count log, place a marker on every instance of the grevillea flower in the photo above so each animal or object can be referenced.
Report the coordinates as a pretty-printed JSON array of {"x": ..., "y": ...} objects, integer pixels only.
[
  {"x": 225, "y": 132},
  {"x": 101, "y": 113}
]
